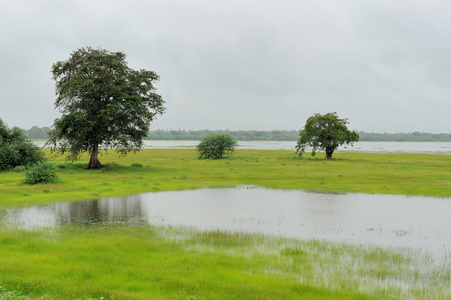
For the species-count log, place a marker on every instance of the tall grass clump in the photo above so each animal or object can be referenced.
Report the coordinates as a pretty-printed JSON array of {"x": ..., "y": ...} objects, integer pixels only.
[{"x": 43, "y": 172}]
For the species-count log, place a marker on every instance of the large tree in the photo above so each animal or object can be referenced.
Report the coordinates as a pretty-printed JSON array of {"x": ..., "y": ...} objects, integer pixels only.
[
  {"x": 325, "y": 132},
  {"x": 104, "y": 103}
]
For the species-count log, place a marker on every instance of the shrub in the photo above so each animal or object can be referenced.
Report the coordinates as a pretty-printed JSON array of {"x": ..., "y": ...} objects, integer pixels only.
[
  {"x": 41, "y": 173},
  {"x": 20, "y": 168},
  {"x": 16, "y": 149},
  {"x": 216, "y": 146}
]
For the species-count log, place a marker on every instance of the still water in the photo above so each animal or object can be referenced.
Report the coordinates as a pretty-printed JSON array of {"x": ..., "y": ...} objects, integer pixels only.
[
  {"x": 389, "y": 147},
  {"x": 382, "y": 220}
]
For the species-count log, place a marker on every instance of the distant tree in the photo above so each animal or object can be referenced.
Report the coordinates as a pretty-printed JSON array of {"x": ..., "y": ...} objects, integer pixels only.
[
  {"x": 104, "y": 104},
  {"x": 216, "y": 146},
  {"x": 325, "y": 132},
  {"x": 38, "y": 133},
  {"x": 16, "y": 149}
]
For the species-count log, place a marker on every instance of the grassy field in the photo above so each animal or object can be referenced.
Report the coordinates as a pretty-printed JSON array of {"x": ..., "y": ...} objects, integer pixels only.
[
  {"x": 179, "y": 169},
  {"x": 115, "y": 261}
]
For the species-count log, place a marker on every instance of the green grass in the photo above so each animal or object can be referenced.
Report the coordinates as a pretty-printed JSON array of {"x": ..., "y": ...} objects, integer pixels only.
[
  {"x": 179, "y": 169},
  {"x": 116, "y": 261}
]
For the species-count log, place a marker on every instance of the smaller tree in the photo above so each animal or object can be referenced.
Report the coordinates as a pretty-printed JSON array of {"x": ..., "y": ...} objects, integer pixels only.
[
  {"x": 325, "y": 132},
  {"x": 216, "y": 146}
]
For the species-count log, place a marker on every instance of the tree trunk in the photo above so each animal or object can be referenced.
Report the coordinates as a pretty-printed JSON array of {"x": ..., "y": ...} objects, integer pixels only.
[
  {"x": 94, "y": 162},
  {"x": 329, "y": 152}
]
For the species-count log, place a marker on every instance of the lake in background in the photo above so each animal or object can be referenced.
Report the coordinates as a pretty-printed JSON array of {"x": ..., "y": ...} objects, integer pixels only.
[
  {"x": 389, "y": 147},
  {"x": 407, "y": 147},
  {"x": 382, "y": 220}
]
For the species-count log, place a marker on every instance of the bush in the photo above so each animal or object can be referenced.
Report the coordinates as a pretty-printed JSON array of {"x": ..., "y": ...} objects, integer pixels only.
[
  {"x": 16, "y": 149},
  {"x": 215, "y": 146},
  {"x": 20, "y": 168},
  {"x": 41, "y": 173}
]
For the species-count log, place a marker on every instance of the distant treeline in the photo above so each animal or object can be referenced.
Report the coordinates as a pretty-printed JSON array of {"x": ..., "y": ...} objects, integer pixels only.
[
  {"x": 36, "y": 133},
  {"x": 274, "y": 135},
  {"x": 240, "y": 135},
  {"x": 293, "y": 135},
  {"x": 405, "y": 137}
]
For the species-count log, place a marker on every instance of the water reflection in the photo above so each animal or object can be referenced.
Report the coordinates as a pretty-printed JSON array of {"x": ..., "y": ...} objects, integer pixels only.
[
  {"x": 121, "y": 209},
  {"x": 384, "y": 220},
  {"x": 90, "y": 212}
]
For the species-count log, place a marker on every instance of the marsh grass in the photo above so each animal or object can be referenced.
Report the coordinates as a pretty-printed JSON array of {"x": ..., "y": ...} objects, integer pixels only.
[{"x": 116, "y": 261}]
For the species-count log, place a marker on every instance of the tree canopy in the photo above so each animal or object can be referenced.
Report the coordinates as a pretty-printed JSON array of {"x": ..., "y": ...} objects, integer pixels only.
[
  {"x": 16, "y": 149},
  {"x": 104, "y": 103},
  {"x": 325, "y": 132}
]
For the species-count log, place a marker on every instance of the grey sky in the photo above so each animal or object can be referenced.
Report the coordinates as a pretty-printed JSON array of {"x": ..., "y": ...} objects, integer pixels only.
[{"x": 248, "y": 64}]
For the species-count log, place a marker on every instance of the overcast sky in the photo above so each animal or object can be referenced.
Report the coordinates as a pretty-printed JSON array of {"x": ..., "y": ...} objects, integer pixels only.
[{"x": 247, "y": 64}]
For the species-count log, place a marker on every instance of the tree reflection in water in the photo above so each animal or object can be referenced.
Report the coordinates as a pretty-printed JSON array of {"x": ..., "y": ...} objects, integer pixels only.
[{"x": 122, "y": 209}]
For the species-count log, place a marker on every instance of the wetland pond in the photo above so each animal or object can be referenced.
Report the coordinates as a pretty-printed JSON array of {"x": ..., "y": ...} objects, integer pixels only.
[{"x": 367, "y": 219}]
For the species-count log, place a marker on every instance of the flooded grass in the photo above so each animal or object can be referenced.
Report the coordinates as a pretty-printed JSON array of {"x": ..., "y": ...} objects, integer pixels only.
[{"x": 115, "y": 261}]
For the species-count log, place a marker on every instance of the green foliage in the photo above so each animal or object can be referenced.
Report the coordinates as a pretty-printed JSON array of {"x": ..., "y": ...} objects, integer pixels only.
[
  {"x": 325, "y": 132},
  {"x": 41, "y": 173},
  {"x": 104, "y": 102},
  {"x": 215, "y": 146},
  {"x": 20, "y": 168},
  {"x": 16, "y": 149}
]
